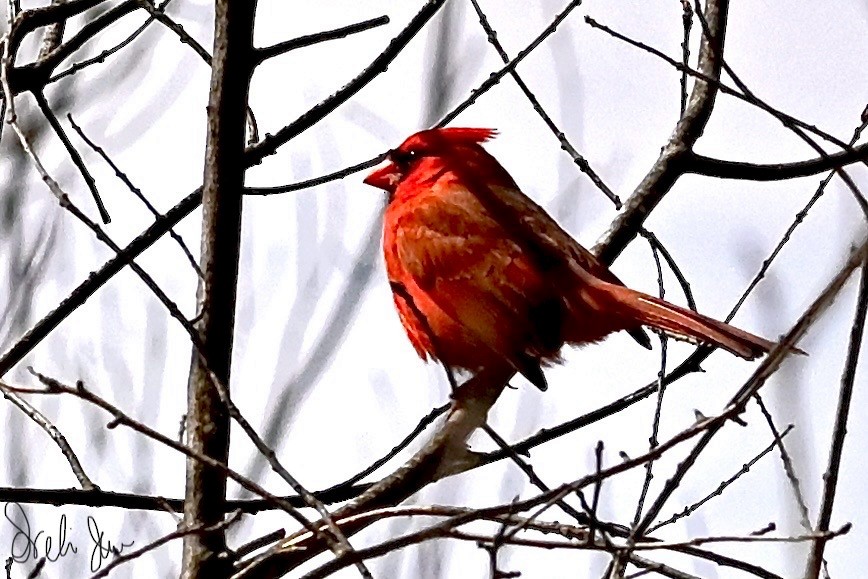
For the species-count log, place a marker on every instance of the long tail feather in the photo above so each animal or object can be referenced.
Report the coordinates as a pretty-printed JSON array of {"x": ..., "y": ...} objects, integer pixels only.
[{"x": 656, "y": 313}]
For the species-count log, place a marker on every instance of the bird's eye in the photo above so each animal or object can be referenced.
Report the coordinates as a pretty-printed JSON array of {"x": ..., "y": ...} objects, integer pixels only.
[{"x": 404, "y": 158}]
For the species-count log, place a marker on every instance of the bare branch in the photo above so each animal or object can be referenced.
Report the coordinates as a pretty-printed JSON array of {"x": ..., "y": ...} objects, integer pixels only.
[
  {"x": 253, "y": 156},
  {"x": 45, "y": 424},
  {"x": 424, "y": 422},
  {"x": 29, "y": 20},
  {"x": 101, "y": 498},
  {"x": 702, "y": 165},
  {"x": 73, "y": 153},
  {"x": 687, "y": 24},
  {"x": 53, "y": 34},
  {"x": 578, "y": 159},
  {"x": 800, "y": 216},
  {"x": 78, "y": 66},
  {"x": 137, "y": 192},
  {"x": 768, "y": 366},
  {"x": 33, "y": 77},
  {"x": 208, "y": 420},
  {"x": 830, "y": 478},
  {"x": 261, "y": 54},
  {"x": 672, "y": 161},
  {"x": 445, "y": 454},
  {"x": 787, "y": 462},
  {"x": 269, "y": 145},
  {"x": 688, "y": 510},
  {"x": 120, "y": 418},
  {"x": 496, "y": 77}
]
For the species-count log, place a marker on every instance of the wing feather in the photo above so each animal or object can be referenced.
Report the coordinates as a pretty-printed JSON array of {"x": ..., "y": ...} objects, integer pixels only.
[{"x": 470, "y": 268}]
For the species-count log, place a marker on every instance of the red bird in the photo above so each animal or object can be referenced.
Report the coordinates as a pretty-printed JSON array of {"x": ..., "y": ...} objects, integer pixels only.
[{"x": 482, "y": 275}]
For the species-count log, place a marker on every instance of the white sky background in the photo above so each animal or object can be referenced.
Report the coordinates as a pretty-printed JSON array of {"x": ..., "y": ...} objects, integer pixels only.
[{"x": 366, "y": 388}]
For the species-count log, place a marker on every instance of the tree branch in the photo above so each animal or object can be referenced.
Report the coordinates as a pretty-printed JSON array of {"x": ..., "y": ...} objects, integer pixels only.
[
  {"x": 207, "y": 425},
  {"x": 830, "y": 478},
  {"x": 261, "y": 54},
  {"x": 702, "y": 165},
  {"x": 672, "y": 161}
]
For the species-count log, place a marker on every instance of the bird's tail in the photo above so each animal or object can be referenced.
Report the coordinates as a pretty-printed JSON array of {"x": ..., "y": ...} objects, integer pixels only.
[{"x": 680, "y": 322}]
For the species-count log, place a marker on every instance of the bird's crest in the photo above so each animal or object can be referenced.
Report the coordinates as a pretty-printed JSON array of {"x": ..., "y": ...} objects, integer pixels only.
[
  {"x": 466, "y": 135},
  {"x": 432, "y": 141}
]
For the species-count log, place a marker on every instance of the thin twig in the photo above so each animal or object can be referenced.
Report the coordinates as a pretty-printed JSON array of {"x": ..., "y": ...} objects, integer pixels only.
[
  {"x": 119, "y": 418},
  {"x": 577, "y": 157},
  {"x": 528, "y": 470},
  {"x": 839, "y": 432},
  {"x": 261, "y": 54},
  {"x": 767, "y": 367},
  {"x": 56, "y": 435},
  {"x": 687, "y": 24},
  {"x": 598, "y": 487},
  {"x": 160, "y": 16},
  {"x": 496, "y": 77},
  {"x": 661, "y": 390},
  {"x": 316, "y": 181},
  {"x": 799, "y": 218},
  {"x": 789, "y": 468},
  {"x": 405, "y": 442},
  {"x": 73, "y": 153},
  {"x": 690, "y": 509},
  {"x": 102, "y": 56},
  {"x": 137, "y": 192},
  {"x": 673, "y": 266}
]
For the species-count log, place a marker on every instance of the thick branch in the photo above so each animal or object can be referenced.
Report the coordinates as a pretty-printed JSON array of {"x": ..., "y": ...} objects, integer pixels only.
[
  {"x": 207, "y": 427},
  {"x": 702, "y": 165},
  {"x": 445, "y": 454},
  {"x": 671, "y": 163}
]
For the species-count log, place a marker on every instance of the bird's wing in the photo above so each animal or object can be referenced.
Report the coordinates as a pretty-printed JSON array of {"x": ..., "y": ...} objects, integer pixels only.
[
  {"x": 466, "y": 263},
  {"x": 520, "y": 211},
  {"x": 523, "y": 212}
]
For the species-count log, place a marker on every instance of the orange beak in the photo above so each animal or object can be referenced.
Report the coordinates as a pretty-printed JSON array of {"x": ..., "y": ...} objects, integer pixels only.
[{"x": 385, "y": 178}]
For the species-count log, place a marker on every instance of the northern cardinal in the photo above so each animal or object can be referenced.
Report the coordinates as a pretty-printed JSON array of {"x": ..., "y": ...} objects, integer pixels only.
[{"x": 482, "y": 275}]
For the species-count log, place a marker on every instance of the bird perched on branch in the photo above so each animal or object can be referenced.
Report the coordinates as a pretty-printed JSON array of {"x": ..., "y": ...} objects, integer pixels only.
[{"x": 482, "y": 275}]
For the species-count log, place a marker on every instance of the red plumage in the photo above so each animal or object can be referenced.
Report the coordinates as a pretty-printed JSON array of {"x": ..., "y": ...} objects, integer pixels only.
[{"x": 482, "y": 275}]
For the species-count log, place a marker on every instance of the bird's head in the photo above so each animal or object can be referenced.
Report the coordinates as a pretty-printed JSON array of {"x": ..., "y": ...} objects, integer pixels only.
[{"x": 426, "y": 145}]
